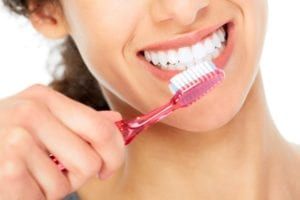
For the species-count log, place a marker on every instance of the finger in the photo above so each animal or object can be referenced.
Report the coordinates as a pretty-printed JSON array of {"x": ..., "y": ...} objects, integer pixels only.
[
  {"x": 19, "y": 183},
  {"x": 97, "y": 128},
  {"x": 113, "y": 116},
  {"x": 112, "y": 152},
  {"x": 82, "y": 120},
  {"x": 50, "y": 179},
  {"x": 70, "y": 111},
  {"x": 74, "y": 153}
]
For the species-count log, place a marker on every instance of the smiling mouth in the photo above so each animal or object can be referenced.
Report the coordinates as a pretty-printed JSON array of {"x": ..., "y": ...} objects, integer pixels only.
[{"x": 207, "y": 47}]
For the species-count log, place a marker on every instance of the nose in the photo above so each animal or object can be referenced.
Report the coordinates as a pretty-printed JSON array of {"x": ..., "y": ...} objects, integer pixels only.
[{"x": 183, "y": 12}]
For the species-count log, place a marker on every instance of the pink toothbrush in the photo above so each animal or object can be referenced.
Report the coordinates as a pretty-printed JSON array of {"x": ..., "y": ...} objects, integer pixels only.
[{"x": 188, "y": 86}]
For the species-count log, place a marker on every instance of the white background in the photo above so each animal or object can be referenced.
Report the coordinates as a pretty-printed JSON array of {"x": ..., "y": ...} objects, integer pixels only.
[{"x": 23, "y": 56}]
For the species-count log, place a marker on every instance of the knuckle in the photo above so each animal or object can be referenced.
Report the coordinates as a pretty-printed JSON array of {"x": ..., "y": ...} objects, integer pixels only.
[
  {"x": 117, "y": 114},
  {"x": 26, "y": 109},
  {"x": 11, "y": 171},
  {"x": 17, "y": 138},
  {"x": 120, "y": 142},
  {"x": 107, "y": 133},
  {"x": 105, "y": 137},
  {"x": 94, "y": 164},
  {"x": 111, "y": 115},
  {"x": 112, "y": 149},
  {"x": 91, "y": 166},
  {"x": 114, "y": 159},
  {"x": 102, "y": 131},
  {"x": 36, "y": 90}
]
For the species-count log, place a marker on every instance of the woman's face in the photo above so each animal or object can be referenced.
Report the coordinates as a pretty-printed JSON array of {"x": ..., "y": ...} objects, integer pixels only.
[{"x": 113, "y": 36}]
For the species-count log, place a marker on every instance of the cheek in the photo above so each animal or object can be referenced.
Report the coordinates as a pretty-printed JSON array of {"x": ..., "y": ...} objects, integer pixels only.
[
  {"x": 102, "y": 40},
  {"x": 255, "y": 22}
]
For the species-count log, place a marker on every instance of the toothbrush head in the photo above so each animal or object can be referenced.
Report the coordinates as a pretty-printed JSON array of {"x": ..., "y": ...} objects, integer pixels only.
[{"x": 195, "y": 82}]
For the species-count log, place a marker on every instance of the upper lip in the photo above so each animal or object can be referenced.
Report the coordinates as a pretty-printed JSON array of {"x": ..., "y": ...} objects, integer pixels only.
[{"x": 187, "y": 39}]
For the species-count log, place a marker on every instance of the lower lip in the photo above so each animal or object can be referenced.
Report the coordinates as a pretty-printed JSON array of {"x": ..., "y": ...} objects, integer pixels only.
[{"x": 220, "y": 61}]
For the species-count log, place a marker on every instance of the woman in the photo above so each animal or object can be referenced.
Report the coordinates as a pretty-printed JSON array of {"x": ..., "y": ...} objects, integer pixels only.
[{"x": 224, "y": 146}]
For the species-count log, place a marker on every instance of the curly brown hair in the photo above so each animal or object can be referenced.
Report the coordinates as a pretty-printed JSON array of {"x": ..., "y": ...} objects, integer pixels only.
[{"x": 76, "y": 82}]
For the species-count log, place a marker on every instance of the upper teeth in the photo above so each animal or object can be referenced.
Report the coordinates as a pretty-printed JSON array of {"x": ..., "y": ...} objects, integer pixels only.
[{"x": 181, "y": 58}]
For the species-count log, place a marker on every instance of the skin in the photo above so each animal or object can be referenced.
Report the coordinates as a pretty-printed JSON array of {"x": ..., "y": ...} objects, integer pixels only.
[{"x": 225, "y": 146}]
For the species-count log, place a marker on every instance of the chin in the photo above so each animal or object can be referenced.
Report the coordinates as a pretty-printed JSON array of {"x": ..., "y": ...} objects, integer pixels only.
[
  {"x": 197, "y": 124},
  {"x": 200, "y": 118}
]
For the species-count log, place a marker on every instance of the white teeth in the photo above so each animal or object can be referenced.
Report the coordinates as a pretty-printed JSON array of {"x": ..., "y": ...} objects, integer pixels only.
[
  {"x": 154, "y": 58},
  {"x": 221, "y": 33},
  {"x": 185, "y": 55},
  {"x": 209, "y": 57},
  {"x": 209, "y": 46},
  {"x": 199, "y": 51},
  {"x": 179, "y": 67},
  {"x": 172, "y": 56},
  {"x": 216, "y": 53},
  {"x": 189, "y": 65},
  {"x": 162, "y": 58},
  {"x": 147, "y": 56},
  {"x": 180, "y": 59},
  {"x": 216, "y": 40}
]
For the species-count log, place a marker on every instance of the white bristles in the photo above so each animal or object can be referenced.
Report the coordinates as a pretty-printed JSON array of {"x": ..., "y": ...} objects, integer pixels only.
[
  {"x": 191, "y": 75},
  {"x": 194, "y": 76}
]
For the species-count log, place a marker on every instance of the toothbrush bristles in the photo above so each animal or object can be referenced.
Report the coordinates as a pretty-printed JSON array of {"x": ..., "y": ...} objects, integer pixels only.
[
  {"x": 192, "y": 75},
  {"x": 196, "y": 81}
]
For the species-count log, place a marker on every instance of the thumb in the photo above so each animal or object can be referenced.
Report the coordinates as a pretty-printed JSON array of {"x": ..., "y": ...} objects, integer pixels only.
[{"x": 111, "y": 115}]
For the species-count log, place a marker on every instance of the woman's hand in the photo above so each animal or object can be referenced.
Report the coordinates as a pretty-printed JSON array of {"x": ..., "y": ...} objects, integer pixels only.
[{"x": 40, "y": 121}]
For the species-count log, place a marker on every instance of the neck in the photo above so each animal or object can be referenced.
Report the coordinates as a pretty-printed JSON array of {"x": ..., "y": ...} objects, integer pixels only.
[{"x": 232, "y": 158}]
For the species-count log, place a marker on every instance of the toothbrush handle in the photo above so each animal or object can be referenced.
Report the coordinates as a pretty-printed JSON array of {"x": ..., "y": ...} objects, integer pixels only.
[{"x": 131, "y": 128}]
